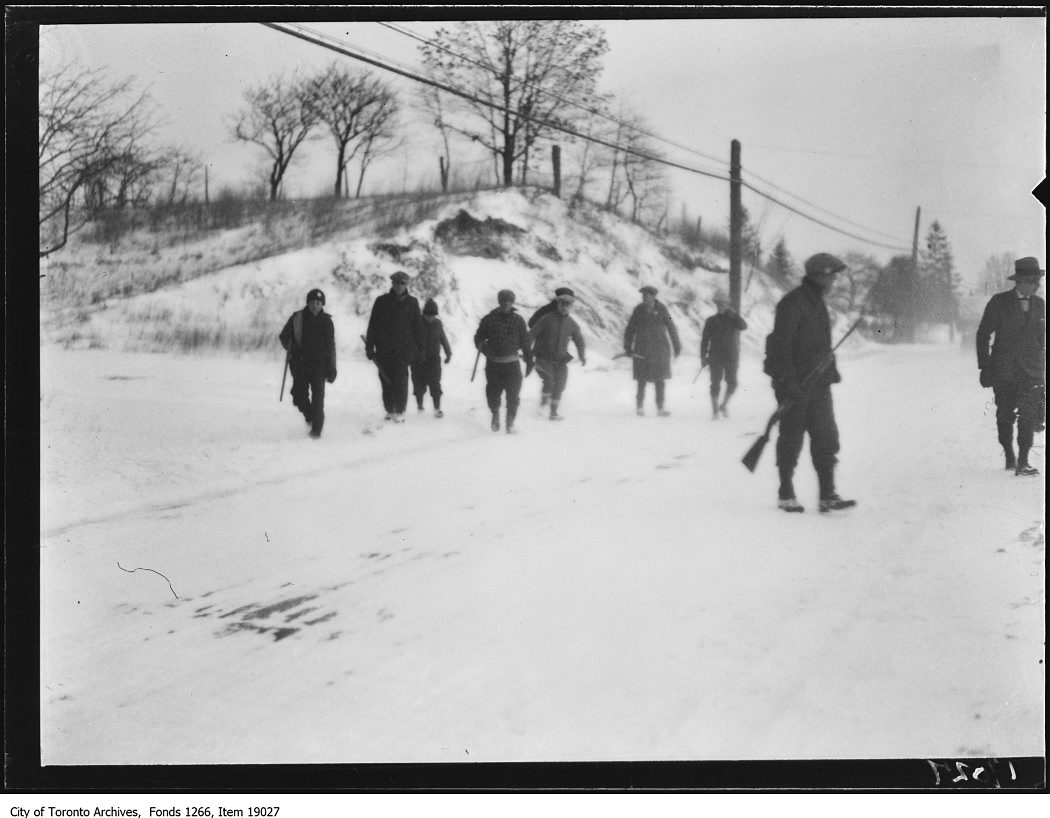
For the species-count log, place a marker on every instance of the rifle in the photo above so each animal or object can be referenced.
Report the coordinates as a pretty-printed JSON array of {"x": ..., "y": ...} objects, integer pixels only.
[
  {"x": 476, "y": 359},
  {"x": 628, "y": 355},
  {"x": 382, "y": 374},
  {"x": 287, "y": 358},
  {"x": 750, "y": 459}
]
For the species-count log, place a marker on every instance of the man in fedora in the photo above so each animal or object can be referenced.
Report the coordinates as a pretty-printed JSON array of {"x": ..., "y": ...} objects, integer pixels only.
[
  {"x": 796, "y": 351},
  {"x": 720, "y": 349},
  {"x": 394, "y": 340},
  {"x": 309, "y": 339},
  {"x": 1011, "y": 355}
]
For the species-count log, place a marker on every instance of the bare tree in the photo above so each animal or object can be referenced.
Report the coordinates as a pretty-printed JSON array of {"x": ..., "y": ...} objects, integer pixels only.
[
  {"x": 996, "y": 269},
  {"x": 434, "y": 105},
  {"x": 279, "y": 117},
  {"x": 525, "y": 76},
  {"x": 379, "y": 136},
  {"x": 89, "y": 128},
  {"x": 180, "y": 171},
  {"x": 347, "y": 102}
]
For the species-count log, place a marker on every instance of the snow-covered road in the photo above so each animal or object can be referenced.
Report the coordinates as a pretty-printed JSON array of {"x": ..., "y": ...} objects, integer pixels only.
[{"x": 608, "y": 588}]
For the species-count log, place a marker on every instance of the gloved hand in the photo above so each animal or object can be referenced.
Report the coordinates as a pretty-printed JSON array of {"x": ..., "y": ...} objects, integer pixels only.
[
  {"x": 677, "y": 352},
  {"x": 528, "y": 368},
  {"x": 703, "y": 360},
  {"x": 330, "y": 377},
  {"x": 627, "y": 352},
  {"x": 583, "y": 361},
  {"x": 986, "y": 377},
  {"x": 448, "y": 357},
  {"x": 370, "y": 354}
]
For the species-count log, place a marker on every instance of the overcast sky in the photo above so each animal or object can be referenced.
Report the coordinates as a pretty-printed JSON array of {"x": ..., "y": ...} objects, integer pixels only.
[{"x": 856, "y": 122}]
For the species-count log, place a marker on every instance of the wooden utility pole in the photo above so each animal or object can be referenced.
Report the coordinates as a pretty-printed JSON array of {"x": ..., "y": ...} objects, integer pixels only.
[
  {"x": 911, "y": 319},
  {"x": 736, "y": 225},
  {"x": 556, "y": 159}
]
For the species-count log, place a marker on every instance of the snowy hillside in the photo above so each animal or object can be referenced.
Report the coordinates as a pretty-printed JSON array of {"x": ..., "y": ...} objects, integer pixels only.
[
  {"x": 218, "y": 588},
  {"x": 472, "y": 247}
]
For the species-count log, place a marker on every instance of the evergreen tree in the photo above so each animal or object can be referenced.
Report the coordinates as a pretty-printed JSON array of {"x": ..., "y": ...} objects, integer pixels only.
[
  {"x": 939, "y": 283},
  {"x": 780, "y": 267}
]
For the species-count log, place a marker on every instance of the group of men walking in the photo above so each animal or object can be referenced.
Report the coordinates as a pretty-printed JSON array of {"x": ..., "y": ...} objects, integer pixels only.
[{"x": 405, "y": 342}]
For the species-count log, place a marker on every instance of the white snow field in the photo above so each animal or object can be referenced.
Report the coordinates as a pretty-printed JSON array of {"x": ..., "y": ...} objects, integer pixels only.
[
  {"x": 607, "y": 588},
  {"x": 217, "y": 588}
]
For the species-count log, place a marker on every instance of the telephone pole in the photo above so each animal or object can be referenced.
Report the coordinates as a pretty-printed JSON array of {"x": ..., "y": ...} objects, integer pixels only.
[
  {"x": 911, "y": 314},
  {"x": 736, "y": 225}
]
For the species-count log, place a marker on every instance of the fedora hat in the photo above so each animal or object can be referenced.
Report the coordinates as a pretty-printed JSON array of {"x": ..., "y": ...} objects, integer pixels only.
[{"x": 1027, "y": 267}]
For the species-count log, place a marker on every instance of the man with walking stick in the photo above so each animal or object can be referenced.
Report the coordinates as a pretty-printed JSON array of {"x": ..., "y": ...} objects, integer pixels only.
[
  {"x": 309, "y": 338},
  {"x": 801, "y": 363}
]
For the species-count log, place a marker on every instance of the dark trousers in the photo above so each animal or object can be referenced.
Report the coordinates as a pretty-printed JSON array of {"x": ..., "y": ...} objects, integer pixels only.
[
  {"x": 500, "y": 378},
  {"x": 308, "y": 392},
  {"x": 427, "y": 375},
  {"x": 813, "y": 413},
  {"x": 555, "y": 376},
  {"x": 1018, "y": 402},
  {"x": 393, "y": 375},
  {"x": 720, "y": 370},
  {"x": 658, "y": 387}
]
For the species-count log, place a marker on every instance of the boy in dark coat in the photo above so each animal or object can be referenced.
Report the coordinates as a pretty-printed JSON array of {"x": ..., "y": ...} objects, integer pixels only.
[
  {"x": 501, "y": 335},
  {"x": 394, "y": 340},
  {"x": 309, "y": 339},
  {"x": 552, "y": 334},
  {"x": 427, "y": 375},
  {"x": 720, "y": 350},
  {"x": 1014, "y": 365},
  {"x": 552, "y": 306},
  {"x": 797, "y": 347},
  {"x": 650, "y": 338}
]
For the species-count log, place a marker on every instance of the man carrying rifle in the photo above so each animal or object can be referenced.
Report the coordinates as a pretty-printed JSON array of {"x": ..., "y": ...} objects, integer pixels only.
[
  {"x": 800, "y": 361},
  {"x": 309, "y": 339}
]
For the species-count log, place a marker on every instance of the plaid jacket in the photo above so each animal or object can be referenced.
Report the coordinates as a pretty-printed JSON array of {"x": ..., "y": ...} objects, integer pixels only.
[{"x": 503, "y": 334}]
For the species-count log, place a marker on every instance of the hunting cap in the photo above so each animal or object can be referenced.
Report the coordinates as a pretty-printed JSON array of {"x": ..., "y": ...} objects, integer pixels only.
[
  {"x": 564, "y": 291},
  {"x": 315, "y": 295},
  {"x": 824, "y": 263},
  {"x": 1027, "y": 267},
  {"x": 400, "y": 277},
  {"x": 648, "y": 289},
  {"x": 431, "y": 307},
  {"x": 505, "y": 296},
  {"x": 566, "y": 296}
]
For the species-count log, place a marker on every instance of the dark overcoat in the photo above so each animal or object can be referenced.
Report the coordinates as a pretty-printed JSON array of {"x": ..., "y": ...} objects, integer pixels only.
[
  {"x": 1011, "y": 343},
  {"x": 650, "y": 337},
  {"x": 395, "y": 328},
  {"x": 801, "y": 340}
]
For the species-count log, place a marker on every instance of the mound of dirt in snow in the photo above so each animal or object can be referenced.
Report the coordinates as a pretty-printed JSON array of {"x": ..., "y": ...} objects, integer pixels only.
[{"x": 464, "y": 235}]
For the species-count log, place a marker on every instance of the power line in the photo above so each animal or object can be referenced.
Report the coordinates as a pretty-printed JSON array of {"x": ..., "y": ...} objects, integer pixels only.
[
  {"x": 818, "y": 207},
  {"x": 319, "y": 39}
]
